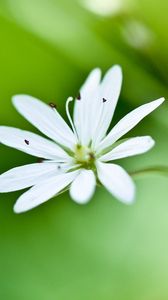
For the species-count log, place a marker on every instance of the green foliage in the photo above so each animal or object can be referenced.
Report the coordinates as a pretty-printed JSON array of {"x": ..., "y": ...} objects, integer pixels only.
[{"x": 104, "y": 250}]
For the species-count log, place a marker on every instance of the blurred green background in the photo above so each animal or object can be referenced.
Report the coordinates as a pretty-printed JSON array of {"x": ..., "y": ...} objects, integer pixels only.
[{"x": 104, "y": 250}]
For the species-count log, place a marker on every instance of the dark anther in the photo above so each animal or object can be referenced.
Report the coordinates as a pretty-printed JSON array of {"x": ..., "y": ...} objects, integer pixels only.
[
  {"x": 104, "y": 100},
  {"x": 91, "y": 155},
  {"x": 27, "y": 142},
  {"x": 52, "y": 105},
  {"x": 78, "y": 97},
  {"x": 59, "y": 167}
]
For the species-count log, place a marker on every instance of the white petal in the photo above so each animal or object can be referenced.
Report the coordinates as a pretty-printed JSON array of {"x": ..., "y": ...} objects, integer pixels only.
[
  {"x": 83, "y": 187},
  {"x": 82, "y": 108},
  {"x": 28, "y": 175},
  {"x": 31, "y": 143},
  {"x": 116, "y": 181},
  {"x": 109, "y": 93},
  {"x": 44, "y": 191},
  {"x": 47, "y": 120},
  {"x": 131, "y": 147},
  {"x": 128, "y": 122},
  {"x": 91, "y": 83}
]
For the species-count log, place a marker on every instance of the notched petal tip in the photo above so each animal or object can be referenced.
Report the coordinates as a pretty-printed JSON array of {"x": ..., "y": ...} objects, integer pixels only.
[
  {"x": 117, "y": 68},
  {"x": 83, "y": 187},
  {"x": 96, "y": 70},
  {"x": 19, "y": 97},
  {"x": 18, "y": 209},
  {"x": 162, "y": 99},
  {"x": 117, "y": 181},
  {"x": 158, "y": 101},
  {"x": 151, "y": 142},
  {"x": 114, "y": 72},
  {"x": 131, "y": 198}
]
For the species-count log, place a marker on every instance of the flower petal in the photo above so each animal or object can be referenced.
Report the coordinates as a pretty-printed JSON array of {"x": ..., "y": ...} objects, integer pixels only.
[
  {"x": 32, "y": 144},
  {"x": 128, "y": 122},
  {"x": 28, "y": 175},
  {"x": 116, "y": 181},
  {"x": 82, "y": 109},
  {"x": 83, "y": 187},
  {"x": 131, "y": 147},
  {"x": 109, "y": 93},
  {"x": 45, "y": 118},
  {"x": 44, "y": 191}
]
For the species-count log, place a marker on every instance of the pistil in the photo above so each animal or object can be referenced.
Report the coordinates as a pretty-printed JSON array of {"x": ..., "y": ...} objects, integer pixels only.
[{"x": 84, "y": 155}]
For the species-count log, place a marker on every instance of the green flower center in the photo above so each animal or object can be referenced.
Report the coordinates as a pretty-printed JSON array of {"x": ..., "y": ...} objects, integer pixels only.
[{"x": 85, "y": 156}]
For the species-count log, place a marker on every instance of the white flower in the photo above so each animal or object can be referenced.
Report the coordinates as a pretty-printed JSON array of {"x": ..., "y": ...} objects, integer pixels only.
[{"x": 75, "y": 158}]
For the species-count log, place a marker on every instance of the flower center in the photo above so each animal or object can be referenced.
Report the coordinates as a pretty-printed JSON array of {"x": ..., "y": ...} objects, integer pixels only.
[{"x": 85, "y": 156}]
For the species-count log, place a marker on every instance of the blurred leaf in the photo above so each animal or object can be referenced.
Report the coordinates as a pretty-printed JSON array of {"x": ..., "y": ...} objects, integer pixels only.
[{"x": 62, "y": 27}]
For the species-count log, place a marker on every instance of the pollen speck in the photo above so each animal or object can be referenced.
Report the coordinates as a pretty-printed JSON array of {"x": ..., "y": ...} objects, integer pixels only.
[
  {"x": 26, "y": 142},
  {"x": 52, "y": 105},
  {"x": 78, "y": 97}
]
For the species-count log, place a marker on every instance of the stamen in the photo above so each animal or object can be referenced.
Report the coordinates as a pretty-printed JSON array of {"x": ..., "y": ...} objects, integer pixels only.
[
  {"x": 59, "y": 167},
  {"x": 26, "y": 142},
  {"x": 78, "y": 96},
  {"x": 52, "y": 105},
  {"x": 91, "y": 155},
  {"x": 70, "y": 99},
  {"x": 104, "y": 100}
]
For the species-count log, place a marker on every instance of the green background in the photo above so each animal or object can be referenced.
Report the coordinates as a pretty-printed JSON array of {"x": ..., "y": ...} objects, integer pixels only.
[{"x": 103, "y": 250}]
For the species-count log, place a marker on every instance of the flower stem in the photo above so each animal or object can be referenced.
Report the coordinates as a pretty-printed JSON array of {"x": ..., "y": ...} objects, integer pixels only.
[{"x": 156, "y": 170}]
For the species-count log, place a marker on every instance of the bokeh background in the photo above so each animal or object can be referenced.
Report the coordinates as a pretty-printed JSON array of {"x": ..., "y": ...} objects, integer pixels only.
[{"x": 103, "y": 250}]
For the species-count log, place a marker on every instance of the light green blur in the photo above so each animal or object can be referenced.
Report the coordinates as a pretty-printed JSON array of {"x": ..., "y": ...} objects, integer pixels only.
[{"x": 104, "y": 250}]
